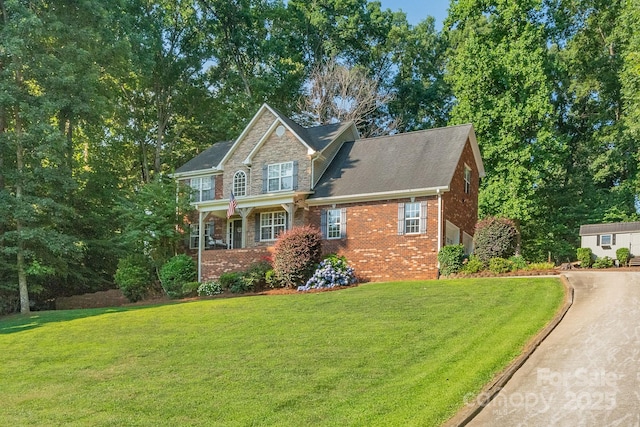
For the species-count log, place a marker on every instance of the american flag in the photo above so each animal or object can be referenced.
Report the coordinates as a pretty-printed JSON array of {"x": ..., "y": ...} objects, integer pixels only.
[{"x": 233, "y": 204}]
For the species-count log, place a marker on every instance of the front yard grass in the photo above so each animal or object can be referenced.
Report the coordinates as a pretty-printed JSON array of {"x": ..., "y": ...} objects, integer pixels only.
[{"x": 405, "y": 353}]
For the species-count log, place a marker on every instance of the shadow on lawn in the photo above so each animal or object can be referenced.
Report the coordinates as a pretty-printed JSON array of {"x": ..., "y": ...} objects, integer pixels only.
[{"x": 24, "y": 322}]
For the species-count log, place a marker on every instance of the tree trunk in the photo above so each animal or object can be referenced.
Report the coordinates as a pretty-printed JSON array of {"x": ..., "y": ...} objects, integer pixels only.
[
  {"x": 21, "y": 263},
  {"x": 162, "y": 112}
]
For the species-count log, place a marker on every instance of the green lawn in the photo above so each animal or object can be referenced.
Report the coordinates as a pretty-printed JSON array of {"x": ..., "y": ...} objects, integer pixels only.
[{"x": 402, "y": 353}]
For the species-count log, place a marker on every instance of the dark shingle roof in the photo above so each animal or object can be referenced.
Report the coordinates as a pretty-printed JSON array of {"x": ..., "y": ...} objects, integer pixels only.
[
  {"x": 317, "y": 137},
  {"x": 409, "y": 161},
  {"x": 615, "y": 227},
  {"x": 208, "y": 159}
]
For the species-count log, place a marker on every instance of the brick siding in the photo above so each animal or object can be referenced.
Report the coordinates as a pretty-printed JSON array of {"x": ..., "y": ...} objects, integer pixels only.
[
  {"x": 459, "y": 207},
  {"x": 216, "y": 262},
  {"x": 374, "y": 248}
]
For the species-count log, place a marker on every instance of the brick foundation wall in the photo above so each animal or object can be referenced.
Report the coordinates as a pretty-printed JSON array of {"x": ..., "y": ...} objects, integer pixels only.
[
  {"x": 374, "y": 248},
  {"x": 216, "y": 262}
]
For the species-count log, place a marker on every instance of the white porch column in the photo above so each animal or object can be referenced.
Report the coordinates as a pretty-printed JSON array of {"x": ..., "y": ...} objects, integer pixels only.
[
  {"x": 200, "y": 243},
  {"x": 244, "y": 214},
  {"x": 291, "y": 210}
]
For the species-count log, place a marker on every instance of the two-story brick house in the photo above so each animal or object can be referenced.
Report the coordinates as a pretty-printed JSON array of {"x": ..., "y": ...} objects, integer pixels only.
[{"x": 388, "y": 204}]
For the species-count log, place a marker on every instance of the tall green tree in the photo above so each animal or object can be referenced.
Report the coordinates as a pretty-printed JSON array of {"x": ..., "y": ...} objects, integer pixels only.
[
  {"x": 37, "y": 124},
  {"x": 498, "y": 73},
  {"x": 423, "y": 99}
]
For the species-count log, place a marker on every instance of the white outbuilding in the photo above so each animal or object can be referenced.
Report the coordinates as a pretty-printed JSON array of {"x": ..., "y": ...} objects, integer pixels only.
[{"x": 605, "y": 239}]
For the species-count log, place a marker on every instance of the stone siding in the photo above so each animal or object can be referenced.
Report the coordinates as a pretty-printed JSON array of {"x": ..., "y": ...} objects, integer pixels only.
[{"x": 274, "y": 150}]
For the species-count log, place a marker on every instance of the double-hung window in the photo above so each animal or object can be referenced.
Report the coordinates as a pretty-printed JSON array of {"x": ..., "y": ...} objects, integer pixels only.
[
  {"x": 467, "y": 179},
  {"x": 203, "y": 188},
  {"x": 194, "y": 235},
  {"x": 412, "y": 218},
  {"x": 280, "y": 177},
  {"x": 606, "y": 239},
  {"x": 271, "y": 225},
  {"x": 334, "y": 223}
]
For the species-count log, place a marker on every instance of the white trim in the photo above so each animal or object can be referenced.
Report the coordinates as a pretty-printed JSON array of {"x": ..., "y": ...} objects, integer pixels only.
[
  {"x": 369, "y": 197},
  {"x": 273, "y": 225},
  {"x": 261, "y": 200},
  {"x": 195, "y": 174},
  {"x": 476, "y": 152}
]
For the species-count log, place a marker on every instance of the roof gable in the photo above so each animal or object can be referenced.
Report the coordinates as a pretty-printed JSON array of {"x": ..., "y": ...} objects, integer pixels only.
[
  {"x": 397, "y": 163},
  {"x": 280, "y": 119}
]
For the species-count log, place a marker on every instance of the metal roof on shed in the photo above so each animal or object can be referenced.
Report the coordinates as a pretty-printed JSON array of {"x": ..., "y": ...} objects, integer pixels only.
[{"x": 611, "y": 228}]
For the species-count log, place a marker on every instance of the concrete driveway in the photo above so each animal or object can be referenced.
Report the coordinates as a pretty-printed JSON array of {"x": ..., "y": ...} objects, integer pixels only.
[{"x": 587, "y": 371}]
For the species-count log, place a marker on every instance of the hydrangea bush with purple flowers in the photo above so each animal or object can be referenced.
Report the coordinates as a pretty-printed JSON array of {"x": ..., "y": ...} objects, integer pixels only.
[{"x": 332, "y": 272}]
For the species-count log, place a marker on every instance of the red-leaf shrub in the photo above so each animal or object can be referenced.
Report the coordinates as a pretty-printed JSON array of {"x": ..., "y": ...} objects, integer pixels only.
[{"x": 295, "y": 255}]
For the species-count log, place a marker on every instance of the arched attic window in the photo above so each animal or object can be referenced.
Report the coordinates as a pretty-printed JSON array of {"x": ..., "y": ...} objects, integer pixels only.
[{"x": 240, "y": 184}]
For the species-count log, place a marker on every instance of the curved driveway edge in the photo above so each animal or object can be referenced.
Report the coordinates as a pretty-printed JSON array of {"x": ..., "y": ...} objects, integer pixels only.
[
  {"x": 587, "y": 371},
  {"x": 473, "y": 408}
]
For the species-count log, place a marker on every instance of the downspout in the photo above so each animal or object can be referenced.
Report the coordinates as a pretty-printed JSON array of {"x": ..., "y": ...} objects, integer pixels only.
[{"x": 439, "y": 225}]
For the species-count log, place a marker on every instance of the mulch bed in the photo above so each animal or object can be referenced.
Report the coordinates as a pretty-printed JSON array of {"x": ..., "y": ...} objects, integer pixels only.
[{"x": 114, "y": 297}]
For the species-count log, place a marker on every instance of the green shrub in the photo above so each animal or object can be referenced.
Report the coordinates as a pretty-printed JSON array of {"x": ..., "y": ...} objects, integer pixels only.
[
  {"x": 190, "y": 289},
  {"x": 451, "y": 258},
  {"x": 585, "y": 256},
  {"x": 623, "y": 255},
  {"x": 231, "y": 279},
  {"x": 256, "y": 275},
  {"x": 271, "y": 280},
  {"x": 541, "y": 266},
  {"x": 209, "y": 288},
  {"x": 495, "y": 238},
  {"x": 518, "y": 262},
  {"x": 296, "y": 254},
  {"x": 175, "y": 273},
  {"x": 133, "y": 277},
  {"x": 500, "y": 265},
  {"x": 604, "y": 262},
  {"x": 473, "y": 265}
]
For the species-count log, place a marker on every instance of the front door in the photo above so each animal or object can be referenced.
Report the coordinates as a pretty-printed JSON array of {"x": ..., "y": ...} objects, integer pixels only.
[{"x": 236, "y": 233}]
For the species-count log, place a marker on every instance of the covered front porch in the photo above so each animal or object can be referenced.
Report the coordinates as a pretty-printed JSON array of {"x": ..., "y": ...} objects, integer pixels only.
[{"x": 254, "y": 223}]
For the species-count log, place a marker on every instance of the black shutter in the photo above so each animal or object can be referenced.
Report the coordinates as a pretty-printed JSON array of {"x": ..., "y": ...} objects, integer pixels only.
[
  {"x": 295, "y": 175},
  {"x": 323, "y": 223},
  {"x": 257, "y": 236},
  {"x": 264, "y": 178},
  {"x": 400, "y": 219}
]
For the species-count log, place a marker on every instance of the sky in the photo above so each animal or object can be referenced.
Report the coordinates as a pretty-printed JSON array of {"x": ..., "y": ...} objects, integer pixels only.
[{"x": 417, "y": 10}]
